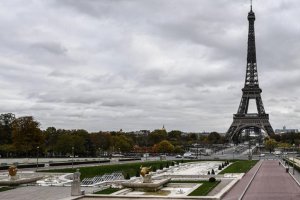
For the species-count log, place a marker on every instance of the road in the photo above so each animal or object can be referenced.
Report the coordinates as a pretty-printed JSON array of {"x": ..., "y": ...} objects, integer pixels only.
[{"x": 237, "y": 152}]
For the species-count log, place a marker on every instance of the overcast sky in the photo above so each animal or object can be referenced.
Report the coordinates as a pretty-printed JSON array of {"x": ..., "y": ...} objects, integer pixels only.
[{"x": 139, "y": 64}]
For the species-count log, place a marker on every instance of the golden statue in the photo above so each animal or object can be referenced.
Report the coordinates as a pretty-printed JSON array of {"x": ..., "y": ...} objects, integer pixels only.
[
  {"x": 12, "y": 170},
  {"x": 145, "y": 170}
]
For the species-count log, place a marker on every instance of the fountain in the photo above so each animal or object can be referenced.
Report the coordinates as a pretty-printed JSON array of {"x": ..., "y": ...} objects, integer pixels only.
[
  {"x": 160, "y": 184},
  {"x": 16, "y": 179},
  {"x": 147, "y": 184}
]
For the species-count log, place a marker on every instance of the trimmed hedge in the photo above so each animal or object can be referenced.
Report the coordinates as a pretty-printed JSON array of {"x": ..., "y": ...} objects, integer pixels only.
[
  {"x": 125, "y": 168},
  {"x": 5, "y": 167},
  {"x": 291, "y": 164}
]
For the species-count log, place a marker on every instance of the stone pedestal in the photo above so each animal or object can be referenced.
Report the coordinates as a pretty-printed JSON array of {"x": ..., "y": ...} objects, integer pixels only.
[
  {"x": 153, "y": 186},
  {"x": 14, "y": 178},
  {"x": 147, "y": 178},
  {"x": 75, "y": 186}
]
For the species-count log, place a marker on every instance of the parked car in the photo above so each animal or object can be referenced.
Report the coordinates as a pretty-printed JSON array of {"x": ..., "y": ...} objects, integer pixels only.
[
  {"x": 277, "y": 153},
  {"x": 178, "y": 156}
]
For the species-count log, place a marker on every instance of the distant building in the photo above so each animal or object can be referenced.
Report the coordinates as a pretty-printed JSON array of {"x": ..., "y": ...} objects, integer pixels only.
[
  {"x": 204, "y": 133},
  {"x": 285, "y": 130},
  {"x": 142, "y": 132}
]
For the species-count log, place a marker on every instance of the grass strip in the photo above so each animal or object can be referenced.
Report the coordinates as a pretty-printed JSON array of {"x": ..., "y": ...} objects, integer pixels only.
[
  {"x": 203, "y": 189},
  {"x": 241, "y": 166},
  {"x": 108, "y": 191},
  {"x": 2, "y": 189}
]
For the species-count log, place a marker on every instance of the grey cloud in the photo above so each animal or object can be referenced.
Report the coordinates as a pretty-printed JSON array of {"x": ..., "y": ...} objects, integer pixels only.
[
  {"x": 106, "y": 65},
  {"x": 118, "y": 103},
  {"x": 51, "y": 47}
]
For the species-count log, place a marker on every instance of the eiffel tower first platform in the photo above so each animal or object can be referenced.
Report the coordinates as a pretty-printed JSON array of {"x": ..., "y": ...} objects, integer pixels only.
[{"x": 244, "y": 120}]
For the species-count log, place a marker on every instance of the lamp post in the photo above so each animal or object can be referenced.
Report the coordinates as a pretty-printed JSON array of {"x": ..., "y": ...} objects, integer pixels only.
[
  {"x": 249, "y": 146},
  {"x": 37, "y": 157},
  {"x": 293, "y": 159},
  {"x": 72, "y": 157},
  {"x": 99, "y": 154},
  {"x": 233, "y": 153},
  {"x": 200, "y": 152}
]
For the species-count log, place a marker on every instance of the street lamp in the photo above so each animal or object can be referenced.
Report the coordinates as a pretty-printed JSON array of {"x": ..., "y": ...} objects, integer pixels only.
[
  {"x": 200, "y": 153},
  {"x": 293, "y": 159},
  {"x": 99, "y": 154},
  {"x": 72, "y": 157},
  {"x": 249, "y": 146},
  {"x": 37, "y": 157}
]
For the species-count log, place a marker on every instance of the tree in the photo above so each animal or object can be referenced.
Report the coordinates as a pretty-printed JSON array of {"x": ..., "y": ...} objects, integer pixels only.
[
  {"x": 83, "y": 135},
  {"x": 284, "y": 145},
  {"x": 157, "y": 135},
  {"x": 101, "y": 140},
  {"x": 6, "y": 121},
  {"x": 6, "y": 149},
  {"x": 203, "y": 139},
  {"x": 26, "y": 135},
  {"x": 164, "y": 147},
  {"x": 141, "y": 140},
  {"x": 66, "y": 141},
  {"x": 174, "y": 135},
  {"x": 64, "y": 144},
  {"x": 122, "y": 143},
  {"x": 193, "y": 137},
  {"x": 270, "y": 144},
  {"x": 178, "y": 149},
  {"x": 214, "y": 137},
  {"x": 51, "y": 136}
]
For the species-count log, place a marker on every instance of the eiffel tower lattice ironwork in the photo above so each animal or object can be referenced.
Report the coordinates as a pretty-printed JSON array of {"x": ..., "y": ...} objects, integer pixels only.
[{"x": 244, "y": 120}]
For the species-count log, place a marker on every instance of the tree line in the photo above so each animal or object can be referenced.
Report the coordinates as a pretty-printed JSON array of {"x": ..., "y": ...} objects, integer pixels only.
[{"x": 22, "y": 137}]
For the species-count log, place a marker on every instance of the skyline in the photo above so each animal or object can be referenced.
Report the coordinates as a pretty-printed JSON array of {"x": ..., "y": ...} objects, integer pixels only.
[{"x": 132, "y": 65}]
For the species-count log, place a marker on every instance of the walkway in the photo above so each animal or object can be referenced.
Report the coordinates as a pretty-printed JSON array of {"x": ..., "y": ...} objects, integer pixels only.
[
  {"x": 271, "y": 182},
  {"x": 36, "y": 193},
  {"x": 238, "y": 189},
  {"x": 41, "y": 193}
]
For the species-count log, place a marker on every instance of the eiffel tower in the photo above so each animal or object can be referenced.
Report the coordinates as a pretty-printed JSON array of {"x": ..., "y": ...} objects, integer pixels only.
[{"x": 244, "y": 120}]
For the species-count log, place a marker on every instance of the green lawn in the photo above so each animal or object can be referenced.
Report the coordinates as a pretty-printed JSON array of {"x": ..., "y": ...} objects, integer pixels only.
[
  {"x": 241, "y": 166},
  {"x": 203, "y": 189},
  {"x": 5, "y": 188},
  {"x": 130, "y": 168},
  {"x": 108, "y": 191}
]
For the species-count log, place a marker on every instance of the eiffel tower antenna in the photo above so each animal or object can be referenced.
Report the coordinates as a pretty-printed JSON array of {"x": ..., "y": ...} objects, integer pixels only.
[{"x": 251, "y": 5}]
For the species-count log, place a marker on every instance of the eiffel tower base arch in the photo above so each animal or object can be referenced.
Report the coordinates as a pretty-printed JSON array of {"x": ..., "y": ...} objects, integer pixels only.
[{"x": 241, "y": 123}]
